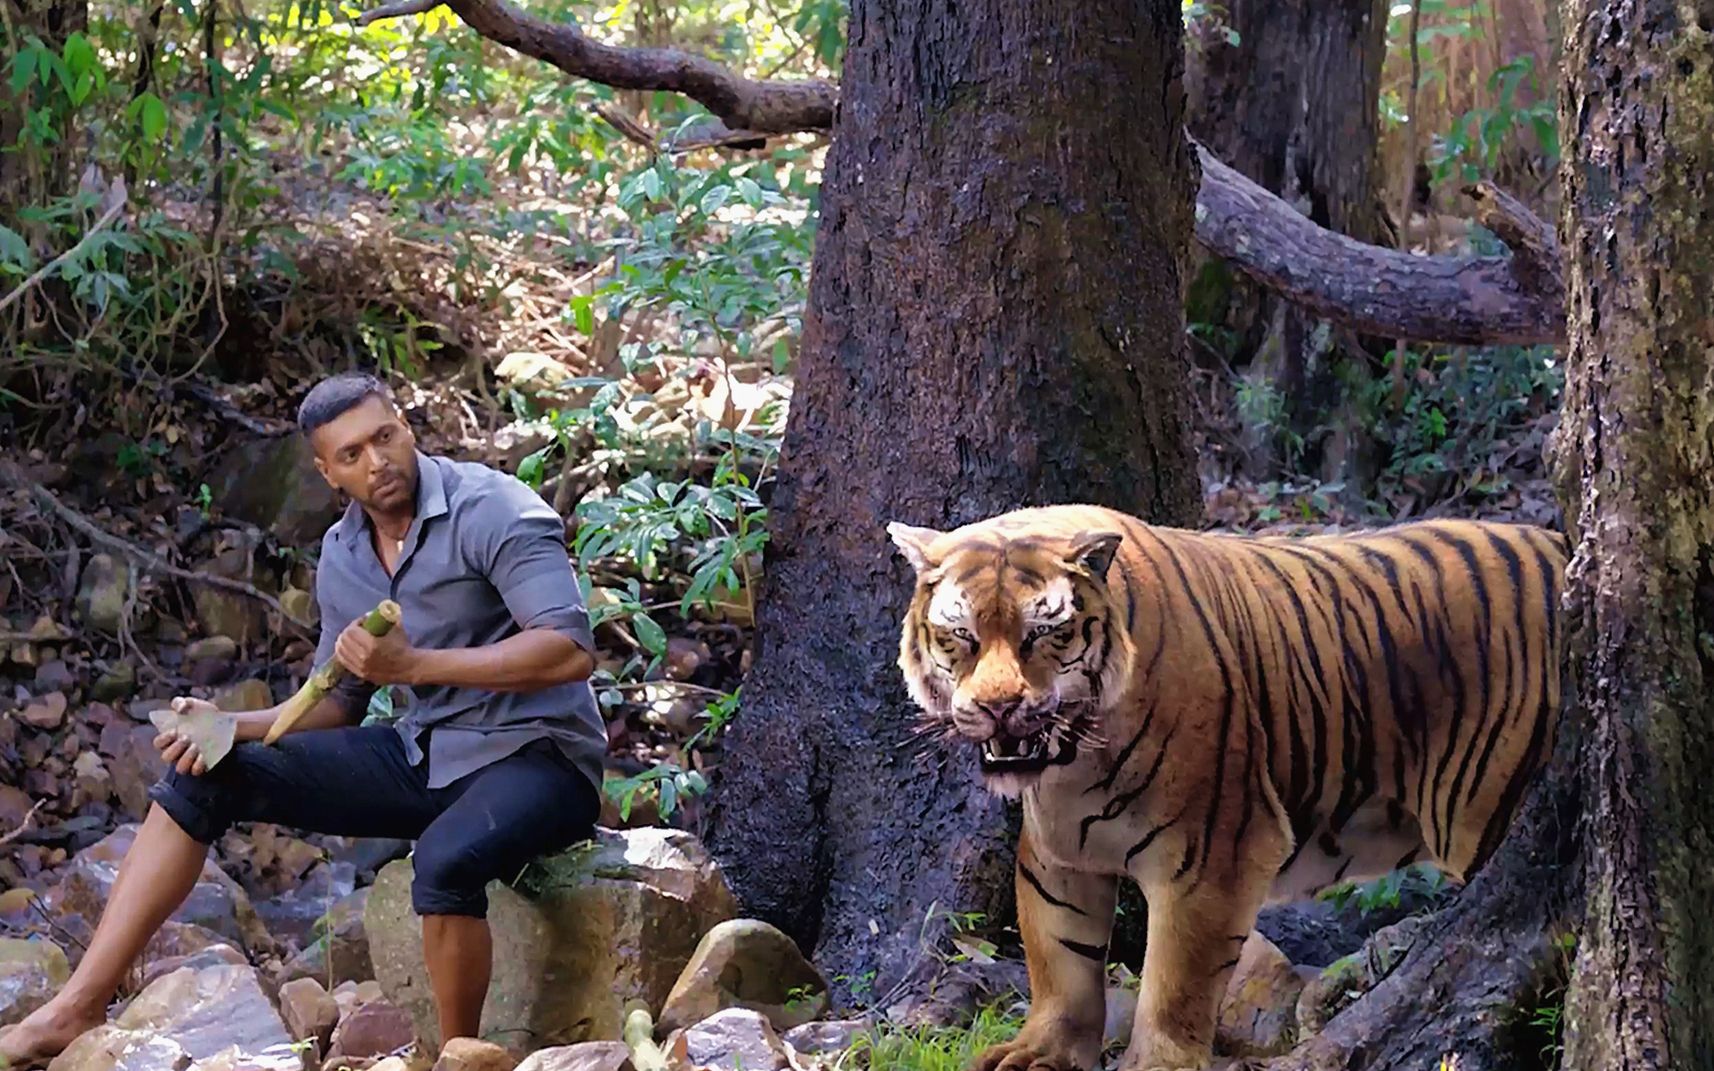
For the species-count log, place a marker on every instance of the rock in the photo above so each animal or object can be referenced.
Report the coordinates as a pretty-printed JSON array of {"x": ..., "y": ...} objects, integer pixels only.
[
  {"x": 216, "y": 902},
  {"x": 211, "y": 649},
  {"x": 54, "y": 676},
  {"x": 94, "y": 784},
  {"x": 471, "y": 1054},
  {"x": 746, "y": 963},
  {"x": 45, "y": 712},
  {"x": 15, "y": 805},
  {"x": 1258, "y": 1016},
  {"x": 309, "y": 1011},
  {"x": 1314, "y": 933},
  {"x": 373, "y": 1029},
  {"x": 736, "y": 1039},
  {"x": 245, "y": 695},
  {"x": 606, "y": 922},
  {"x": 14, "y": 902},
  {"x": 30, "y": 972},
  {"x": 297, "y": 916},
  {"x": 101, "y": 593},
  {"x": 273, "y": 484},
  {"x": 301, "y": 606},
  {"x": 353, "y": 995},
  {"x": 587, "y": 1056},
  {"x": 117, "y": 683},
  {"x": 134, "y": 763},
  {"x": 227, "y": 613},
  {"x": 684, "y": 656},
  {"x": 1121, "y": 1016},
  {"x": 339, "y": 945},
  {"x": 218, "y": 1017},
  {"x": 212, "y": 956},
  {"x": 828, "y": 1037}
]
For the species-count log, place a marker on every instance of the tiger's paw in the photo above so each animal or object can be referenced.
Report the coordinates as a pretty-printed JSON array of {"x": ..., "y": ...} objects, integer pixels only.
[
  {"x": 1043, "y": 1052},
  {"x": 1160, "y": 1054}
]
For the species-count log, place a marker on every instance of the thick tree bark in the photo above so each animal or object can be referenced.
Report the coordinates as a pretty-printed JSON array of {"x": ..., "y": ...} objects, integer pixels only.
[
  {"x": 1636, "y": 461},
  {"x": 1293, "y": 104},
  {"x": 994, "y": 321}
]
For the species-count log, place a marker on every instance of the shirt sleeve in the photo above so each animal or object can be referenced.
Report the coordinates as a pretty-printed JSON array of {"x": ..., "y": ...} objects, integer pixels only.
[
  {"x": 352, "y": 692},
  {"x": 519, "y": 543}
]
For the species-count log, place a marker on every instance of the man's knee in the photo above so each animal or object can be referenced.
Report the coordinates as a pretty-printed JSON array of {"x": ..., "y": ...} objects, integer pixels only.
[
  {"x": 206, "y": 805},
  {"x": 449, "y": 878}
]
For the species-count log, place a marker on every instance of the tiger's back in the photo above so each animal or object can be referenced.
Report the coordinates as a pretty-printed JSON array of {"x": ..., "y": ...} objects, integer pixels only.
[{"x": 1406, "y": 680}]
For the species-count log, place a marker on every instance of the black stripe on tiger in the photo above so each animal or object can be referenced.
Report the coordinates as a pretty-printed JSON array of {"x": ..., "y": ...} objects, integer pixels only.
[
  {"x": 1098, "y": 953},
  {"x": 1041, "y": 891}
]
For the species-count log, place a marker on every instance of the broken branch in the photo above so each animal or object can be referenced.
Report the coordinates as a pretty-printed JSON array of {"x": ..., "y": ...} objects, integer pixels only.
[
  {"x": 17, "y": 832},
  {"x": 11, "y": 476}
]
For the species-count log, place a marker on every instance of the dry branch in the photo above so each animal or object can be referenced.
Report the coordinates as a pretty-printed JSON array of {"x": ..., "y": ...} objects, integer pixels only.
[
  {"x": 12, "y": 476},
  {"x": 1370, "y": 289},
  {"x": 774, "y": 106}
]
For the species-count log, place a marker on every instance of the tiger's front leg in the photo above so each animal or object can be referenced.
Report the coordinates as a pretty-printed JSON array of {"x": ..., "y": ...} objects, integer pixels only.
[
  {"x": 1194, "y": 940},
  {"x": 1066, "y": 919}
]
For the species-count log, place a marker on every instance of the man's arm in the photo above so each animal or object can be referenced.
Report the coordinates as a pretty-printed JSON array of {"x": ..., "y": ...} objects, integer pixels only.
[{"x": 518, "y": 542}]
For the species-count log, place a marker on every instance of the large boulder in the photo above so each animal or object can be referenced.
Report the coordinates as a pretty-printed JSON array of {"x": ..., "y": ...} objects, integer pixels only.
[
  {"x": 1258, "y": 1016},
  {"x": 273, "y": 484},
  {"x": 217, "y": 1019},
  {"x": 338, "y": 949},
  {"x": 609, "y": 921},
  {"x": 746, "y": 963},
  {"x": 216, "y": 902},
  {"x": 30, "y": 973}
]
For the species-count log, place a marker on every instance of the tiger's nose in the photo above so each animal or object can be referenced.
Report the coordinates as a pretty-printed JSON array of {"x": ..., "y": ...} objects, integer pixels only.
[{"x": 1000, "y": 710}]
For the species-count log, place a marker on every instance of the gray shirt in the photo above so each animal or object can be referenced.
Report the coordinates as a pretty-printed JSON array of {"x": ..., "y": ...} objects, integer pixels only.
[{"x": 484, "y": 558}]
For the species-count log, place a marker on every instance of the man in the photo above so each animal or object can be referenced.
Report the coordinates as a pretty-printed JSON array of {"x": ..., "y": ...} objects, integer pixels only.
[{"x": 497, "y": 759}]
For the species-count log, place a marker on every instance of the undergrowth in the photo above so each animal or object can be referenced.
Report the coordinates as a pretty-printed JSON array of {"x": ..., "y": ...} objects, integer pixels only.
[{"x": 933, "y": 1048}]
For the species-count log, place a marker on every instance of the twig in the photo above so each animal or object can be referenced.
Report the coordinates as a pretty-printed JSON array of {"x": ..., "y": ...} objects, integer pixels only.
[
  {"x": 397, "y": 10},
  {"x": 12, "y": 477},
  {"x": 627, "y": 124},
  {"x": 22, "y": 826},
  {"x": 107, "y": 217}
]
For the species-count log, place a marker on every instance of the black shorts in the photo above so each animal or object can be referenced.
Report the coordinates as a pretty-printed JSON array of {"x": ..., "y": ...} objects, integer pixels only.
[{"x": 356, "y": 782}]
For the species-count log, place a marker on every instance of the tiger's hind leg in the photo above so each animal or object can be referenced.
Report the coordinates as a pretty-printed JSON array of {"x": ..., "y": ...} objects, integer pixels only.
[{"x": 1066, "y": 919}]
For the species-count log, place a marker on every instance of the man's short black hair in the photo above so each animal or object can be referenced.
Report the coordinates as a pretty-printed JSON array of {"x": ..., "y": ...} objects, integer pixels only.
[{"x": 334, "y": 395}]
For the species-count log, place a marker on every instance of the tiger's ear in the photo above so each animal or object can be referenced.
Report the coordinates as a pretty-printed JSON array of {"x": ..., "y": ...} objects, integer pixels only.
[
  {"x": 914, "y": 544},
  {"x": 1094, "y": 552}
]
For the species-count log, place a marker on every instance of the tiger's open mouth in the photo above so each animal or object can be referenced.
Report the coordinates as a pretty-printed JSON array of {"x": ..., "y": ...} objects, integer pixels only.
[{"x": 1002, "y": 754}]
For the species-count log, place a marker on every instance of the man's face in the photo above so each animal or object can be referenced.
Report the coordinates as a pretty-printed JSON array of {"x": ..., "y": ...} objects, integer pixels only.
[{"x": 369, "y": 453}]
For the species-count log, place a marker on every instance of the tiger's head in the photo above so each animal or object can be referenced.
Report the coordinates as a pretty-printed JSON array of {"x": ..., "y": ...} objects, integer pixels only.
[{"x": 1012, "y": 644}]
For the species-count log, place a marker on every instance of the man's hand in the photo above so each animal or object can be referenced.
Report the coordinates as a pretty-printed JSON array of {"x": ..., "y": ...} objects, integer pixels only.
[
  {"x": 383, "y": 660},
  {"x": 177, "y": 749}
]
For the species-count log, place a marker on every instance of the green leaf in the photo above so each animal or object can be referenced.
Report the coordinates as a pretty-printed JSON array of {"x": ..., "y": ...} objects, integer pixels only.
[
  {"x": 23, "y": 70},
  {"x": 583, "y": 313},
  {"x": 750, "y": 191},
  {"x": 649, "y": 633},
  {"x": 14, "y": 249},
  {"x": 152, "y": 116},
  {"x": 530, "y": 469},
  {"x": 715, "y": 199}
]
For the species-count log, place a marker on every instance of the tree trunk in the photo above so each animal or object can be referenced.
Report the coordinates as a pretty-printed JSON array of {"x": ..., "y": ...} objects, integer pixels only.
[
  {"x": 1617, "y": 833},
  {"x": 1294, "y": 105},
  {"x": 995, "y": 320},
  {"x": 1636, "y": 459}
]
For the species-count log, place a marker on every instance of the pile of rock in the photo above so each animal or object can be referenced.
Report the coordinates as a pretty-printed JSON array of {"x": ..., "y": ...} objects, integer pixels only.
[{"x": 588, "y": 946}]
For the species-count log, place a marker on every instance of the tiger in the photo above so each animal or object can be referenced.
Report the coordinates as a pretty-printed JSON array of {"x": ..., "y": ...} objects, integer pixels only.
[{"x": 1229, "y": 721}]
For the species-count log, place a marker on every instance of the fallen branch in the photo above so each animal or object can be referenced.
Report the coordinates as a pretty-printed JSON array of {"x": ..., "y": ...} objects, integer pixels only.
[
  {"x": 22, "y": 826},
  {"x": 12, "y": 476},
  {"x": 1369, "y": 289}
]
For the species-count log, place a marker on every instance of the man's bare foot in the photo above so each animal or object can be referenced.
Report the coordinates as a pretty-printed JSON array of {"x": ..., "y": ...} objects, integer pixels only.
[{"x": 44, "y": 1033}]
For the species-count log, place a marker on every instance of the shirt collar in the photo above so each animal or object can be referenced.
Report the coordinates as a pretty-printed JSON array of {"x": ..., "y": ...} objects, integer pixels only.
[{"x": 431, "y": 501}]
